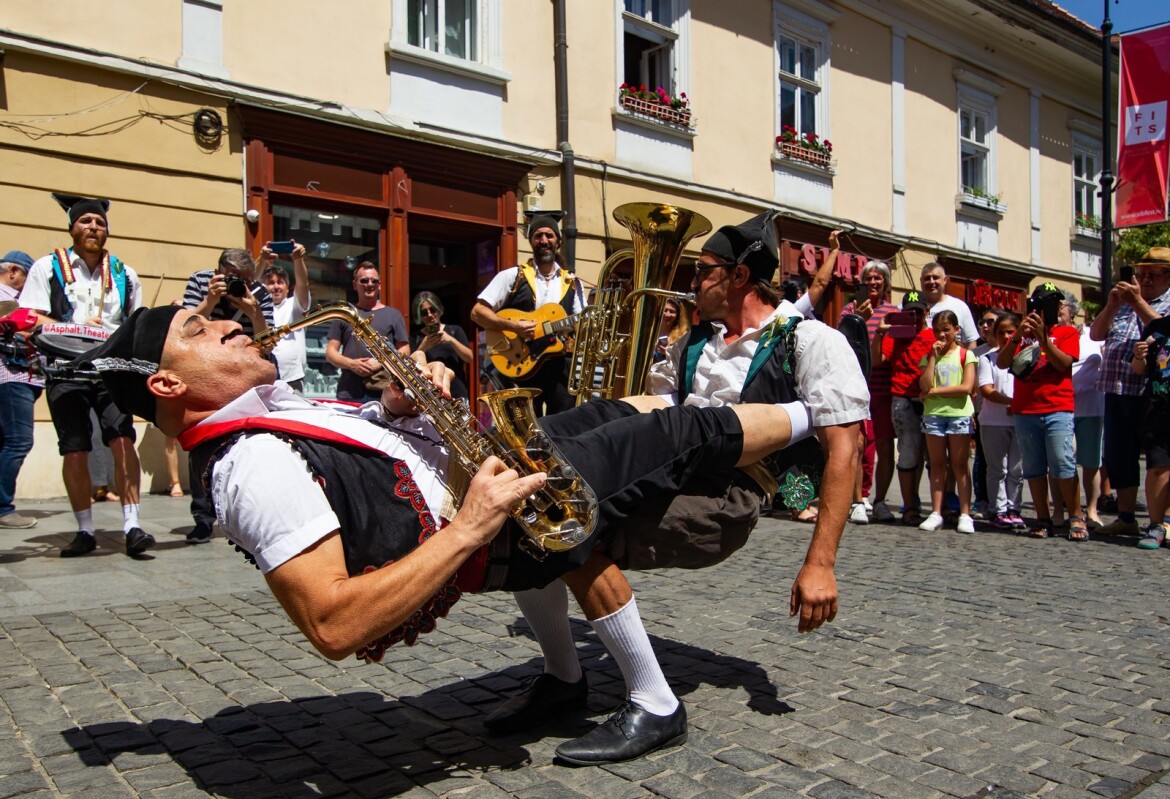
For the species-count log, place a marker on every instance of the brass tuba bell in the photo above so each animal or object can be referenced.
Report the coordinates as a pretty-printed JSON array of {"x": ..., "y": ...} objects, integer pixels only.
[{"x": 618, "y": 332}]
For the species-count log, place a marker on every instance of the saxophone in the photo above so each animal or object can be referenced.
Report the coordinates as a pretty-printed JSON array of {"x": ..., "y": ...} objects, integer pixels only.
[{"x": 556, "y": 518}]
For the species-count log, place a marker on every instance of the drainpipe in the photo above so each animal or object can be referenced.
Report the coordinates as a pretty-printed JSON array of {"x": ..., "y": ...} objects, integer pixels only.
[{"x": 568, "y": 182}]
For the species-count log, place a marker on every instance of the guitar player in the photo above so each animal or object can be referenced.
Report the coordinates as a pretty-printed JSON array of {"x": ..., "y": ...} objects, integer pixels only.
[{"x": 527, "y": 288}]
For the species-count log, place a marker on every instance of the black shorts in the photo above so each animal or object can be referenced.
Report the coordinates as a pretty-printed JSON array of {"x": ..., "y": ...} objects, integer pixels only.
[
  {"x": 69, "y": 404},
  {"x": 1156, "y": 436}
]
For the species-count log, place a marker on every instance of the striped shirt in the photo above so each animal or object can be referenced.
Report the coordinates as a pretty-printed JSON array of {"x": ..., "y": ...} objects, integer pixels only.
[
  {"x": 196, "y": 290},
  {"x": 1116, "y": 376},
  {"x": 19, "y": 373}
]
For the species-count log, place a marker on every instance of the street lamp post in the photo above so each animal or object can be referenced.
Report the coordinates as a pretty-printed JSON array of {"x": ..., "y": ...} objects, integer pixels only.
[{"x": 1107, "y": 155}]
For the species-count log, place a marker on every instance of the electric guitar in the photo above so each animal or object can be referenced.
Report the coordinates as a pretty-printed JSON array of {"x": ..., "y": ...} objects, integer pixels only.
[{"x": 515, "y": 357}]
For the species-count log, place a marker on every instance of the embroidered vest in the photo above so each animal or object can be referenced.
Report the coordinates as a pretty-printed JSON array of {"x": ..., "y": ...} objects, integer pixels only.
[
  {"x": 771, "y": 379},
  {"x": 113, "y": 274},
  {"x": 381, "y": 512},
  {"x": 522, "y": 297}
]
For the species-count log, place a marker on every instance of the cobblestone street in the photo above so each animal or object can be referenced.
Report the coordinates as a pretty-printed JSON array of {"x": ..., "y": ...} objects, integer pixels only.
[{"x": 959, "y": 666}]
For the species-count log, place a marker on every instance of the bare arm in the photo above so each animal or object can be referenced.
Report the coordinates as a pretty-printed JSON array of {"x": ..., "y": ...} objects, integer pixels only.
[
  {"x": 339, "y": 614},
  {"x": 361, "y": 366},
  {"x": 814, "y": 592},
  {"x": 301, "y": 276},
  {"x": 824, "y": 275}
]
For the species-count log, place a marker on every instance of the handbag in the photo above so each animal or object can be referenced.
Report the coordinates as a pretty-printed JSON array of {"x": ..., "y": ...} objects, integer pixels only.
[{"x": 1025, "y": 361}]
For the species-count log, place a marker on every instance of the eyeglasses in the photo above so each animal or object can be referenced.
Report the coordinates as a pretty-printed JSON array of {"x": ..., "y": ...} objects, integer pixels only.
[
  {"x": 368, "y": 281},
  {"x": 427, "y": 312},
  {"x": 1151, "y": 275},
  {"x": 988, "y": 321}
]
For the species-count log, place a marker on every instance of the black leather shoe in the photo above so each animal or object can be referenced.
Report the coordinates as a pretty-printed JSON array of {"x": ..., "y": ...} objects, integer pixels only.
[
  {"x": 138, "y": 541},
  {"x": 544, "y": 698},
  {"x": 83, "y": 544},
  {"x": 629, "y": 733}
]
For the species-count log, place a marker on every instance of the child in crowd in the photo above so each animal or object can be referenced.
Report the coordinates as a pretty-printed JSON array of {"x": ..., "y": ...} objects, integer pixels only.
[
  {"x": 903, "y": 353},
  {"x": 1001, "y": 448},
  {"x": 1151, "y": 357},
  {"x": 946, "y": 382},
  {"x": 1041, "y": 355}
]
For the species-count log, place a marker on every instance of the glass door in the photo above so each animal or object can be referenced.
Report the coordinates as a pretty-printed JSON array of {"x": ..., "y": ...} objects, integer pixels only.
[{"x": 336, "y": 243}]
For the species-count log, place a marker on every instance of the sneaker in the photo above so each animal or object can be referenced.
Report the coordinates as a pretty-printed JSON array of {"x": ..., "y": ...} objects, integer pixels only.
[
  {"x": 932, "y": 523},
  {"x": 200, "y": 535},
  {"x": 966, "y": 524},
  {"x": 1118, "y": 527},
  {"x": 882, "y": 512},
  {"x": 868, "y": 505},
  {"x": 981, "y": 510},
  {"x": 1018, "y": 522},
  {"x": 857, "y": 514},
  {"x": 14, "y": 521},
  {"x": 1003, "y": 521},
  {"x": 1155, "y": 536}
]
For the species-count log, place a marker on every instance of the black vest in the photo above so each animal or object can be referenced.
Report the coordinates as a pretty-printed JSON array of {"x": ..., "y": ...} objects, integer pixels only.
[
  {"x": 382, "y": 515},
  {"x": 521, "y": 297}
]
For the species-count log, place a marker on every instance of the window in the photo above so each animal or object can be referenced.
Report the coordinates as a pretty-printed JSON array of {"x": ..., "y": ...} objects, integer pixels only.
[
  {"x": 1086, "y": 169},
  {"x": 649, "y": 40},
  {"x": 800, "y": 87},
  {"x": 802, "y": 64},
  {"x": 449, "y": 27},
  {"x": 976, "y": 123}
]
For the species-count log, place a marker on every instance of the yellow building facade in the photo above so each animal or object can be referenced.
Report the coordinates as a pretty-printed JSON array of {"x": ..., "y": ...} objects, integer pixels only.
[{"x": 416, "y": 133}]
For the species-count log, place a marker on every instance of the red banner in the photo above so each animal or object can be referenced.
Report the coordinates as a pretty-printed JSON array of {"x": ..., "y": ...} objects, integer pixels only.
[{"x": 1142, "y": 144}]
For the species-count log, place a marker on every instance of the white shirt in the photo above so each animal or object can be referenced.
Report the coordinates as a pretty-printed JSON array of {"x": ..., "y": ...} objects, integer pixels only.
[
  {"x": 266, "y": 499},
  {"x": 828, "y": 377},
  {"x": 969, "y": 332},
  {"x": 84, "y": 293},
  {"x": 1087, "y": 400},
  {"x": 548, "y": 289},
  {"x": 992, "y": 414},
  {"x": 290, "y": 350}
]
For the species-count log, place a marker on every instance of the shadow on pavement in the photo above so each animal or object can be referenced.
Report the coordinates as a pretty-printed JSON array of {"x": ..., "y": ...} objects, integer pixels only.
[{"x": 364, "y": 743}]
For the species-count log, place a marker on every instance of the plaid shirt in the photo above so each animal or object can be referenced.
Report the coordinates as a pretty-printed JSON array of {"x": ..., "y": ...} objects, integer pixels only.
[
  {"x": 17, "y": 374},
  {"x": 1116, "y": 376}
]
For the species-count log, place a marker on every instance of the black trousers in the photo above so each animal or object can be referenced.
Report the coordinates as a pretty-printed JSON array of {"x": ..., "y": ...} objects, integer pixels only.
[
  {"x": 629, "y": 459},
  {"x": 552, "y": 379}
]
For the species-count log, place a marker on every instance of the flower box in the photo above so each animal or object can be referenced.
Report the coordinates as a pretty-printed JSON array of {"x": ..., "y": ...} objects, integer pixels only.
[
  {"x": 658, "y": 111},
  {"x": 799, "y": 152}
]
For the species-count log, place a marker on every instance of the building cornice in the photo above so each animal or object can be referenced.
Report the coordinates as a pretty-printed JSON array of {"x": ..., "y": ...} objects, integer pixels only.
[{"x": 286, "y": 102}]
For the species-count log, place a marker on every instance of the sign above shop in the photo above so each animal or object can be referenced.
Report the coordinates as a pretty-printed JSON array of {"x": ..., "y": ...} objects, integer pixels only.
[{"x": 983, "y": 294}]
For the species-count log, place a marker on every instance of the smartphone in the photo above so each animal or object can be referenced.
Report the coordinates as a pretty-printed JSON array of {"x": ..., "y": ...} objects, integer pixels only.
[
  {"x": 903, "y": 324},
  {"x": 859, "y": 294},
  {"x": 1126, "y": 274},
  {"x": 281, "y": 247},
  {"x": 430, "y": 329}
]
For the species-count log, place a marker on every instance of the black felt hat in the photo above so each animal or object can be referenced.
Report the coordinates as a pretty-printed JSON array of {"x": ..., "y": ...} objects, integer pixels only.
[
  {"x": 77, "y": 207},
  {"x": 131, "y": 355},
  {"x": 544, "y": 220},
  {"x": 752, "y": 243}
]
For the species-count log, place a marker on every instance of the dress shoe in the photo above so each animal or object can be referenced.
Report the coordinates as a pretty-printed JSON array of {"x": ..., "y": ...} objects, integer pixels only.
[
  {"x": 629, "y": 733},
  {"x": 83, "y": 544},
  {"x": 14, "y": 521},
  {"x": 544, "y": 698},
  {"x": 138, "y": 541}
]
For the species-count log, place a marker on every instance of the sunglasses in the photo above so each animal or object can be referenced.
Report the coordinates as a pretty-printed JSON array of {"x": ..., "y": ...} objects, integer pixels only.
[
  {"x": 427, "y": 312},
  {"x": 990, "y": 321},
  {"x": 369, "y": 281}
]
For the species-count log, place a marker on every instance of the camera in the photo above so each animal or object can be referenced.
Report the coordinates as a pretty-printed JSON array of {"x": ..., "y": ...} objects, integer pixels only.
[{"x": 236, "y": 287}]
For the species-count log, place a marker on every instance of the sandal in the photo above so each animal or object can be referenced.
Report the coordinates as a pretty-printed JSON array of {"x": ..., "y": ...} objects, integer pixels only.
[
  {"x": 1077, "y": 530},
  {"x": 1042, "y": 529},
  {"x": 177, "y": 490}
]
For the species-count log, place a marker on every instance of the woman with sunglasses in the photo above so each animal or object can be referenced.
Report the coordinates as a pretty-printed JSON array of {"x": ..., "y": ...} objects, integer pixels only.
[{"x": 441, "y": 342}]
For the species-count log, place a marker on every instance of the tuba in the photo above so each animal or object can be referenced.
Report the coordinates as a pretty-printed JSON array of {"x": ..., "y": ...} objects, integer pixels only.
[
  {"x": 556, "y": 518},
  {"x": 618, "y": 332}
]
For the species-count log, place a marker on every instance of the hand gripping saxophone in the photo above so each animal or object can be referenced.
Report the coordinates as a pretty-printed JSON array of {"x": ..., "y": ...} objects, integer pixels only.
[{"x": 556, "y": 518}]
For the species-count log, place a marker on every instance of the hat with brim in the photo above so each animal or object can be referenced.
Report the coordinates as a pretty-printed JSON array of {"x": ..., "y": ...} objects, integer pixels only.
[
  {"x": 1155, "y": 256},
  {"x": 1047, "y": 291},
  {"x": 913, "y": 301},
  {"x": 132, "y": 354},
  {"x": 18, "y": 258},
  {"x": 752, "y": 243}
]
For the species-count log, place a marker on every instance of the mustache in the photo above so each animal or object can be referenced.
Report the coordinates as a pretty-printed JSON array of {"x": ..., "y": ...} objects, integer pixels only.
[{"x": 231, "y": 335}]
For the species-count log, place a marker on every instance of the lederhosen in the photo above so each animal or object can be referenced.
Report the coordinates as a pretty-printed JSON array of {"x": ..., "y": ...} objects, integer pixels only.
[
  {"x": 383, "y": 516},
  {"x": 709, "y": 521},
  {"x": 552, "y": 376}
]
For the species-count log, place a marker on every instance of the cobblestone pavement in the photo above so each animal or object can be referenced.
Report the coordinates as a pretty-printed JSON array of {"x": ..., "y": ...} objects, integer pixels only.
[{"x": 965, "y": 666}]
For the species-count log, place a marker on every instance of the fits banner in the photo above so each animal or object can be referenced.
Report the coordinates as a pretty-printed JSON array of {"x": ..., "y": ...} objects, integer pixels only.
[{"x": 1142, "y": 145}]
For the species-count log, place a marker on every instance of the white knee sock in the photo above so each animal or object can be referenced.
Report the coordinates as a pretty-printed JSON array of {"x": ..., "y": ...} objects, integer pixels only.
[
  {"x": 625, "y": 638},
  {"x": 85, "y": 521},
  {"x": 800, "y": 417},
  {"x": 129, "y": 517},
  {"x": 547, "y": 612}
]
